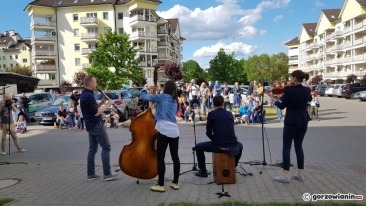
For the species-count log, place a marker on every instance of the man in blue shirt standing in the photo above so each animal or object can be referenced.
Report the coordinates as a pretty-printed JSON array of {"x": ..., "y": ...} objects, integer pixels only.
[{"x": 92, "y": 113}]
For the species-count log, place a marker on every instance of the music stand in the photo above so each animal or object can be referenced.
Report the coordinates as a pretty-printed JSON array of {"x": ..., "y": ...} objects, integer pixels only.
[{"x": 194, "y": 167}]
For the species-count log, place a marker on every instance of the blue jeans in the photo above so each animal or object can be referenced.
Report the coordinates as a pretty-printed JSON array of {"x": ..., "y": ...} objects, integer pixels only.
[
  {"x": 71, "y": 121},
  {"x": 209, "y": 146},
  {"x": 98, "y": 135},
  {"x": 296, "y": 133},
  {"x": 279, "y": 113}
]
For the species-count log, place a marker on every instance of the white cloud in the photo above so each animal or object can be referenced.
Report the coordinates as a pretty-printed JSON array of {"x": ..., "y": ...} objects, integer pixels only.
[
  {"x": 277, "y": 18},
  {"x": 239, "y": 49},
  {"x": 221, "y": 21},
  {"x": 319, "y": 3}
]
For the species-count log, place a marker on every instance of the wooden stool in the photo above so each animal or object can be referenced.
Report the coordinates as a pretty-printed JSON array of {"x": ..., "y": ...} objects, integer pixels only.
[{"x": 223, "y": 167}]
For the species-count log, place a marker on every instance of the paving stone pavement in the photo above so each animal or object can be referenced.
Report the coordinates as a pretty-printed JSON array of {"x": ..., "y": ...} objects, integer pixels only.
[{"x": 53, "y": 170}]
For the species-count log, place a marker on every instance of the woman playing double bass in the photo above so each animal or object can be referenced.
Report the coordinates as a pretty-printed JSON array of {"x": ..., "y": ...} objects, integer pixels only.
[{"x": 168, "y": 133}]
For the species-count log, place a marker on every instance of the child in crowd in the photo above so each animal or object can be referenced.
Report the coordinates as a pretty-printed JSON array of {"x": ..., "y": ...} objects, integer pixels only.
[
  {"x": 21, "y": 124},
  {"x": 314, "y": 105},
  {"x": 189, "y": 114},
  {"x": 259, "y": 113},
  {"x": 243, "y": 112},
  {"x": 112, "y": 119},
  {"x": 71, "y": 111}
]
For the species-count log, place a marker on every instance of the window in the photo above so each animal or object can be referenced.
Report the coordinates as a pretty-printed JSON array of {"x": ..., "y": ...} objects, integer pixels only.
[
  {"x": 120, "y": 15},
  {"x": 76, "y": 17},
  {"x": 77, "y": 47},
  {"x": 3, "y": 57},
  {"x": 120, "y": 30},
  {"x": 105, "y": 15},
  {"x": 16, "y": 56},
  {"x": 91, "y": 15},
  {"x": 25, "y": 60},
  {"x": 77, "y": 61},
  {"x": 11, "y": 56},
  {"x": 76, "y": 32},
  {"x": 24, "y": 48},
  {"x": 11, "y": 66}
]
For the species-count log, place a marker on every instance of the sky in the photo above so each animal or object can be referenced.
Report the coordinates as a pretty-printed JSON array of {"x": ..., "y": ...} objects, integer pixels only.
[{"x": 245, "y": 27}]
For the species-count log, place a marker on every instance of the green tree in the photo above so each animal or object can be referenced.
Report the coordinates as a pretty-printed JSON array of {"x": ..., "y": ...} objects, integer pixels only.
[
  {"x": 222, "y": 67},
  {"x": 279, "y": 67},
  {"x": 115, "y": 51},
  {"x": 191, "y": 70},
  {"x": 106, "y": 79}
]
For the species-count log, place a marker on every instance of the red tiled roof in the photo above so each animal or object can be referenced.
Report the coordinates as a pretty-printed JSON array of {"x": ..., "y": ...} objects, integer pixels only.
[
  {"x": 362, "y": 2},
  {"x": 5, "y": 39},
  {"x": 293, "y": 41},
  {"x": 16, "y": 47},
  {"x": 310, "y": 28},
  {"x": 332, "y": 14},
  {"x": 173, "y": 23}
]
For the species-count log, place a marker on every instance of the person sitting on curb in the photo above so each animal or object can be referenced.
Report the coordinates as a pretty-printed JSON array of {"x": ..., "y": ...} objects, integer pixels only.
[
  {"x": 112, "y": 119},
  {"x": 61, "y": 117}
]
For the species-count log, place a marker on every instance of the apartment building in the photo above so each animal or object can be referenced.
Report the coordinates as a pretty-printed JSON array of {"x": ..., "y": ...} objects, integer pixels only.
[
  {"x": 335, "y": 46},
  {"x": 14, "y": 50},
  {"x": 65, "y": 32},
  {"x": 293, "y": 54}
]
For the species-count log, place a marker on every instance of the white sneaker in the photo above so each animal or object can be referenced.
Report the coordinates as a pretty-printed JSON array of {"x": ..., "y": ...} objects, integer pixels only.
[
  {"x": 3, "y": 153},
  {"x": 22, "y": 150}
]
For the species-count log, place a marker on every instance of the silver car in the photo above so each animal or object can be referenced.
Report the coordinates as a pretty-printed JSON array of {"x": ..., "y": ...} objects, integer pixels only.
[{"x": 122, "y": 99}]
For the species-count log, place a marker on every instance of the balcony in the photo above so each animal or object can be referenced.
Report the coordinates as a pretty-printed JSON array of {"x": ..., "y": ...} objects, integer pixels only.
[
  {"x": 43, "y": 25},
  {"x": 162, "y": 31},
  {"x": 87, "y": 51},
  {"x": 142, "y": 34},
  {"x": 335, "y": 75},
  {"x": 346, "y": 30},
  {"x": 164, "y": 44},
  {"x": 45, "y": 68},
  {"x": 359, "y": 57},
  {"x": 44, "y": 40},
  {"x": 44, "y": 53},
  {"x": 147, "y": 50},
  {"x": 140, "y": 19},
  {"x": 89, "y": 37},
  {"x": 89, "y": 21}
]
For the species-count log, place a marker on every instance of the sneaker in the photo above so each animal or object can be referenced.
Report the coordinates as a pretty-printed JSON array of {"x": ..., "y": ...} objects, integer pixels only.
[
  {"x": 298, "y": 178},
  {"x": 282, "y": 179},
  {"x": 174, "y": 186},
  {"x": 92, "y": 177},
  {"x": 201, "y": 174},
  {"x": 3, "y": 153},
  {"x": 22, "y": 150},
  {"x": 157, "y": 188},
  {"x": 111, "y": 176}
]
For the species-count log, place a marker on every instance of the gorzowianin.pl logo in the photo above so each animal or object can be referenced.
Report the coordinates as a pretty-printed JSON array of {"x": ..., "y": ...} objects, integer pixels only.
[{"x": 339, "y": 196}]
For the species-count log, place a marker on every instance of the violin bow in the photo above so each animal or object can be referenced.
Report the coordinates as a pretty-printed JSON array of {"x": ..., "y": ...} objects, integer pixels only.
[{"x": 119, "y": 111}]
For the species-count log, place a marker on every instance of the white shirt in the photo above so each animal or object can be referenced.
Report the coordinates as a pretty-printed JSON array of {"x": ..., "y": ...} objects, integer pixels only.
[{"x": 167, "y": 128}]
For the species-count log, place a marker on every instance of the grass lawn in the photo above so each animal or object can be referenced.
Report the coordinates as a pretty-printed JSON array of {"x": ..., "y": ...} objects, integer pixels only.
[{"x": 3, "y": 201}]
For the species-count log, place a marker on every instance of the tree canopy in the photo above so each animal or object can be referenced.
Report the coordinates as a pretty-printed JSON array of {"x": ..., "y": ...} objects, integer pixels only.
[{"x": 115, "y": 52}]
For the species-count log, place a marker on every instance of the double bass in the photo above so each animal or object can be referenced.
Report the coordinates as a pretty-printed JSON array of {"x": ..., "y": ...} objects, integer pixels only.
[{"x": 139, "y": 158}]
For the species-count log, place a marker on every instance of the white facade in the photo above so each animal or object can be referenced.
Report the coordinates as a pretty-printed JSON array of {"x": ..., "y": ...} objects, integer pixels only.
[{"x": 63, "y": 36}]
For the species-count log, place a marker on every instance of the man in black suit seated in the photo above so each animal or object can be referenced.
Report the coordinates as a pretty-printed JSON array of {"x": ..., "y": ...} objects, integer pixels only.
[{"x": 220, "y": 130}]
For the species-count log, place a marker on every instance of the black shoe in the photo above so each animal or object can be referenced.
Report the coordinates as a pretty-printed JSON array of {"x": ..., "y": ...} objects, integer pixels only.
[{"x": 201, "y": 174}]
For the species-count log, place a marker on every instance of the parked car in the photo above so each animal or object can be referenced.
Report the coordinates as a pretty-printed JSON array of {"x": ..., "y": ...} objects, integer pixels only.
[
  {"x": 350, "y": 90},
  {"x": 38, "y": 101},
  {"x": 329, "y": 90},
  {"x": 320, "y": 89},
  {"x": 48, "y": 115},
  {"x": 361, "y": 95},
  {"x": 337, "y": 91},
  {"x": 123, "y": 100}
]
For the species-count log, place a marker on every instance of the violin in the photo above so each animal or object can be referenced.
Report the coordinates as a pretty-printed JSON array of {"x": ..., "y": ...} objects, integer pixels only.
[{"x": 281, "y": 90}]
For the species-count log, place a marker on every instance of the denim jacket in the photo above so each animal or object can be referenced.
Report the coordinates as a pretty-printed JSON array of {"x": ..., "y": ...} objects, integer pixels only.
[{"x": 166, "y": 107}]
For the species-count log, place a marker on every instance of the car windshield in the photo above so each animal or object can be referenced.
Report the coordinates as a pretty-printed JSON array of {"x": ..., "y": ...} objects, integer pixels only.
[
  {"x": 111, "y": 95},
  {"x": 60, "y": 100}
]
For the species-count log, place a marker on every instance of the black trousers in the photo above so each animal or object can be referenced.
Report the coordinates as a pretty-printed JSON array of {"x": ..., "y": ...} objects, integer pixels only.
[
  {"x": 294, "y": 133},
  {"x": 162, "y": 144}
]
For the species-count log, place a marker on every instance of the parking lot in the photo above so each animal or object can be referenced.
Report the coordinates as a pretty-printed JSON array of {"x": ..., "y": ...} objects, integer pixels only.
[{"x": 53, "y": 170}]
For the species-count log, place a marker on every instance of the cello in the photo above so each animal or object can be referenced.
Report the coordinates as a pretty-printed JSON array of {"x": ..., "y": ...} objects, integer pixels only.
[{"x": 138, "y": 158}]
